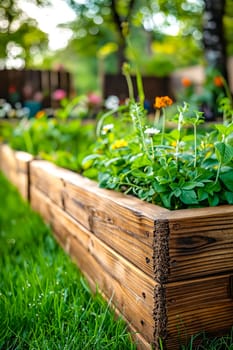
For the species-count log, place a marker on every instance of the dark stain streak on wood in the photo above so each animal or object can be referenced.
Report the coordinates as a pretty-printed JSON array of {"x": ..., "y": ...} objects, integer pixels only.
[{"x": 194, "y": 242}]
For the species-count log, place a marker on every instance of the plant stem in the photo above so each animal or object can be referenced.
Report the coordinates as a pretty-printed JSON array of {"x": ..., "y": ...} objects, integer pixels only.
[
  {"x": 141, "y": 94},
  {"x": 228, "y": 93},
  {"x": 105, "y": 115},
  {"x": 141, "y": 132},
  {"x": 178, "y": 137},
  {"x": 152, "y": 148},
  {"x": 163, "y": 126},
  {"x": 130, "y": 86},
  {"x": 28, "y": 142},
  {"x": 195, "y": 144},
  {"x": 126, "y": 72},
  {"x": 218, "y": 172},
  {"x": 156, "y": 118}
]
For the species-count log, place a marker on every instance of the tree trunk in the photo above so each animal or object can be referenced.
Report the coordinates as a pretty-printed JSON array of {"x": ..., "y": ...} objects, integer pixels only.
[
  {"x": 119, "y": 20},
  {"x": 213, "y": 35}
]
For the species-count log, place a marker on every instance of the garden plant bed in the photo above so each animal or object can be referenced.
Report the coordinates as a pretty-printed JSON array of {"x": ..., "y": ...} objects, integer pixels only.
[{"x": 170, "y": 273}]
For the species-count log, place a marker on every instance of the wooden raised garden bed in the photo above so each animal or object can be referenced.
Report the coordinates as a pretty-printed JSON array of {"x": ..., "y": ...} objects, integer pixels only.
[
  {"x": 15, "y": 165},
  {"x": 170, "y": 273}
]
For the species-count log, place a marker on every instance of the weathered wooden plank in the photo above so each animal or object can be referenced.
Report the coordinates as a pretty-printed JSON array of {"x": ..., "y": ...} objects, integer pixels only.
[
  {"x": 130, "y": 305},
  {"x": 201, "y": 293},
  {"x": 204, "y": 304},
  {"x": 201, "y": 322},
  {"x": 48, "y": 179},
  {"x": 200, "y": 242},
  {"x": 131, "y": 290},
  {"x": 186, "y": 308},
  {"x": 123, "y": 222},
  {"x": 63, "y": 223},
  {"x": 114, "y": 225},
  {"x": 85, "y": 193},
  {"x": 192, "y": 305},
  {"x": 15, "y": 165},
  {"x": 198, "y": 245}
]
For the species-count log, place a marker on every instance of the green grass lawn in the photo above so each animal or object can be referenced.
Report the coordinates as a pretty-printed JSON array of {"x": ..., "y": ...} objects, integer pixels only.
[{"x": 45, "y": 302}]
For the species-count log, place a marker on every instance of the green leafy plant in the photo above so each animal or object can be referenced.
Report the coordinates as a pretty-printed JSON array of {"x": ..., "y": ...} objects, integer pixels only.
[
  {"x": 176, "y": 168},
  {"x": 214, "y": 98},
  {"x": 65, "y": 142}
]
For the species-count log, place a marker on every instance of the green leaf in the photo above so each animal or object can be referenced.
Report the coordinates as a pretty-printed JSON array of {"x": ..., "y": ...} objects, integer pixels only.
[
  {"x": 212, "y": 187},
  {"x": 221, "y": 128},
  {"x": 213, "y": 200},
  {"x": 229, "y": 197},
  {"x": 177, "y": 192},
  {"x": 166, "y": 199},
  {"x": 191, "y": 185},
  {"x": 227, "y": 179},
  {"x": 88, "y": 161},
  {"x": 224, "y": 129},
  {"x": 104, "y": 179},
  {"x": 229, "y": 129},
  {"x": 141, "y": 161},
  {"x": 224, "y": 152},
  {"x": 139, "y": 173},
  {"x": 188, "y": 197},
  {"x": 91, "y": 173},
  {"x": 158, "y": 187},
  {"x": 202, "y": 194},
  {"x": 115, "y": 160}
]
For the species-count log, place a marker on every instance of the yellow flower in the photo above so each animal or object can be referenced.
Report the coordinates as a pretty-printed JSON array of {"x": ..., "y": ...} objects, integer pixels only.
[
  {"x": 208, "y": 154},
  {"x": 119, "y": 144},
  {"x": 174, "y": 143},
  {"x": 206, "y": 145}
]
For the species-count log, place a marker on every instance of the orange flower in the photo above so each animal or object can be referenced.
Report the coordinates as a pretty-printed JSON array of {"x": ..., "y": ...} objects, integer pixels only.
[
  {"x": 163, "y": 101},
  {"x": 218, "y": 81},
  {"x": 186, "y": 82},
  {"x": 40, "y": 114}
]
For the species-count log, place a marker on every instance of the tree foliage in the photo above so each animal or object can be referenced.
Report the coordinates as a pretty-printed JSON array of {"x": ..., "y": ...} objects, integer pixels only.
[
  {"x": 20, "y": 37},
  {"x": 100, "y": 21},
  {"x": 165, "y": 34}
]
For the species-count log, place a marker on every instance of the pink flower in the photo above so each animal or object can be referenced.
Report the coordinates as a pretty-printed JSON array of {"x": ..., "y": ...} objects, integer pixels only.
[
  {"x": 94, "y": 99},
  {"x": 59, "y": 94}
]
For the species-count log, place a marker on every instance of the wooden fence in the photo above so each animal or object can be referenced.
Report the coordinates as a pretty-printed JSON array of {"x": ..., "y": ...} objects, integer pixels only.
[{"x": 18, "y": 84}]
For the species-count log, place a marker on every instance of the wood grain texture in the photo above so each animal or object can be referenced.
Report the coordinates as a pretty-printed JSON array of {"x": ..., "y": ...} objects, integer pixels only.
[
  {"x": 200, "y": 242},
  {"x": 48, "y": 180},
  {"x": 193, "y": 306},
  {"x": 130, "y": 289},
  {"x": 15, "y": 166},
  {"x": 125, "y": 223}
]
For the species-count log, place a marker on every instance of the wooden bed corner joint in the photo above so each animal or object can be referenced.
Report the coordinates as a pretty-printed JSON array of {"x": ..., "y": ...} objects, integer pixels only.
[{"x": 161, "y": 272}]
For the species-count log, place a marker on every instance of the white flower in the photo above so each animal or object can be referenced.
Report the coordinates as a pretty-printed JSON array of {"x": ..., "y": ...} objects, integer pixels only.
[
  {"x": 112, "y": 102},
  {"x": 152, "y": 131},
  {"x": 107, "y": 128}
]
